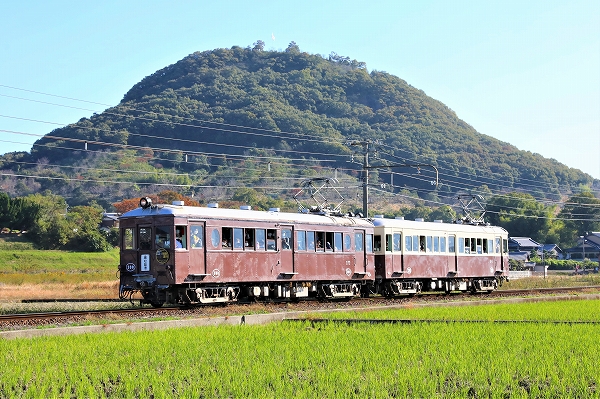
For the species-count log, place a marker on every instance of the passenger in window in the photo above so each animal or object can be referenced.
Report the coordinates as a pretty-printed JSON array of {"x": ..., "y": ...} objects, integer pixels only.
[
  {"x": 285, "y": 243},
  {"x": 319, "y": 245},
  {"x": 328, "y": 245},
  {"x": 196, "y": 239},
  {"x": 225, "y": 243}
]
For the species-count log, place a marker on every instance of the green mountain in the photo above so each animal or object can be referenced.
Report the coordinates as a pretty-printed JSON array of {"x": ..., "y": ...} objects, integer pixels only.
[{"x": 245, "y": 117}]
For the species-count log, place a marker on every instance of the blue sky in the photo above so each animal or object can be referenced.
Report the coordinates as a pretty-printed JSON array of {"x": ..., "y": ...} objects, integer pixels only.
[{"x": 524, "y": 72}]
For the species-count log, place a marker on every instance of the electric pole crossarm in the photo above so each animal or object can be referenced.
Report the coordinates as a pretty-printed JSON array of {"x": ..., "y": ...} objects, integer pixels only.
[{"x": 404, "y": 165}]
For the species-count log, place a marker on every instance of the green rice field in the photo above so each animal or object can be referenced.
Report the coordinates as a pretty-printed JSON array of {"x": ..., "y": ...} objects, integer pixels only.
[{"x": 549, "y": 350}]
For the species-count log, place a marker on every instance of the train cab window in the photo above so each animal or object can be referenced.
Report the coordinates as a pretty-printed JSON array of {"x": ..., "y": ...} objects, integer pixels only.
[
  {"x": 197, "y": 236},
  {"x": 408, "y": 243},
  {"x": 369, "y": 243},
  {"x": 329, "y": 241},
  {"x": 163, "y": 237},
  {"x": 180, "y": 237},
  {"x": 271, "y": 240},
  {"x": 227, "y": 238},
  {"x": 377, "y": 243},
  {"x": 443, "y": 244},
  {"x": 286, "y": 239},
  {"x": 310, "y": 241},
  {"x": 451, "y": 241},
  {"x": 215, "y": 238},
  {"x": 504, "y": 246},
  {"x": 422, "y": 243},
  {"x": 397, "y": 243},
  {"x": 301, "y": 240},
  {"x": 388, "y": 242},
  {"x": 145, "y": 237},
  {"x": 497, "y": 247},
  {"x": 320, "y": 243},
  {"x": 249, "y": 238},
  {"x": 347, "y": 243},
  {"x": 260, "y": 239},
  {"x": 467, "y": 246},
  {"x": 128, "y": 238},
  {"x": 238, "y": 238},
  {"x": 358, "y": 242},
  {"x": 337, "y": 242}
]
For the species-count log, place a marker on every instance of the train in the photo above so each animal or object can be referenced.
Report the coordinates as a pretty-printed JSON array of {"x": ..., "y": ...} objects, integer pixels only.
[{"x": 187, "y": 255}]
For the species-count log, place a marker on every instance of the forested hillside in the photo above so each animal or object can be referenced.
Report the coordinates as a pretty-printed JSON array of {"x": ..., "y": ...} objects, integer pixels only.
[{"x": 250, "y": 124}]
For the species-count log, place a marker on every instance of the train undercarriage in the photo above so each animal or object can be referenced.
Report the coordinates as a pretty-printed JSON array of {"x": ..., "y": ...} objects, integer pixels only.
[
  {"x": 192, "y": 294},
  {"x": 397, "y": 287}
]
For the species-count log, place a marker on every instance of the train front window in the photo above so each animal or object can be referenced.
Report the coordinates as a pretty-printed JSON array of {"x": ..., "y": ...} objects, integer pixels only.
[
  {"x": 369, "y": 243},
  {"x": 301, "y": 240},
  {"x": 128, "y": 238},
  {"x": 388, "y": 242},
  {"x": 163, "y": 236},
  {"x": 181, "y": 237},
  {"x": 377, "y": 243},
  {"x": 347, "y": 243},
  {"x": 397, "y": 242},
  {"x": 358, "y": 242},
  {"x": 337, "y": 241},
  {"x": 145, "y": 237}
]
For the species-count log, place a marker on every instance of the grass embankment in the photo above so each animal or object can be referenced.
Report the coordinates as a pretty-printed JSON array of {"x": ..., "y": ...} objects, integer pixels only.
[
  {"x": 27, "y": 273},
  {"x": 361, "y": 360}
]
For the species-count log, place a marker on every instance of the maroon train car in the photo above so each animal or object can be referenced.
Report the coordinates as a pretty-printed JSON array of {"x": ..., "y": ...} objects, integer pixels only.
[
  {"x": 415, "y": 256},
  {"x": 185, "y": 255}
]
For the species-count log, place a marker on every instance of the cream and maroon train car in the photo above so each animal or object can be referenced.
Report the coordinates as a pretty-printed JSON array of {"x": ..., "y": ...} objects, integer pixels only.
[
  {"x": 415, "y": 256},
  {"x": 184, "y": 254}
]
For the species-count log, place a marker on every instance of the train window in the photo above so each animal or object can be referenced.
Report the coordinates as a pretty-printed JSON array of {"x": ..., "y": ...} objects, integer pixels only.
[
  {"x": 227, "y": 237},
  {"x": 388, "y": 242},
  {"x": 487, "y": 246},
  {"x": 238, "y": 238},
  {"x": 429, "y": 241},
  {"x": 462, "y": 248},
  {"x": 271, "y": 240},
  {"x": 320, "y": 241},
  {"x": 377, "y": 243},
  {"x": 369, "y": 243},
  {"x": 197, "y": 237},
  {"x": 479, "y": 247},
  {"x": 215, "y": 238},
  {"x": 505, "y": 246},
  {"x": 329, "y": 241},
  {"x": 497, "y": 245},
  {"x": 436, "y": 244},
  {"x": 451, "y": 247},
  {"x": 358, "y": 242},
  {"x": 286, "y": 239},
  {"x": 128, "y": 238},
  {"x": 260, "y": 239},
  {"x": 422, "y": 243},
  {"x": 249, "y": 238},
  {"x": 443, "y": 244},
  {"x": 347, "y": 242},
  {"x": 310, "y": 240},
  {"x": 337, "y": 241},
  {"x": 408, "y": 243},
  {"x": 180, "y": 237},
  {"x": 415, "y": 243},
  {"x": 301, "y": 240},
  {"x": 145, "y": 237},
  {"x": 397, "y": 242},
  {"x": 163, "y": 237}
]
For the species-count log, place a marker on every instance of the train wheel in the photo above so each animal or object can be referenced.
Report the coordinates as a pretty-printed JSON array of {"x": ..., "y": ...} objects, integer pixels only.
[{"x": 156, "y": 304}]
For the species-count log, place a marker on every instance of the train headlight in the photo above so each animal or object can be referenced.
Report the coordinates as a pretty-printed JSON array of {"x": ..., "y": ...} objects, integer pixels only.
[{"x": 145, "y": 202}]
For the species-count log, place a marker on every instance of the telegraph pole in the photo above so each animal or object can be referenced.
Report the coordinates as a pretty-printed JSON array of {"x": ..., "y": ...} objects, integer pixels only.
[{"x": 365, "y": 172}]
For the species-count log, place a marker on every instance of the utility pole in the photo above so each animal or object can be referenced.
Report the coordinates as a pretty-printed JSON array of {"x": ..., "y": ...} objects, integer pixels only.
[{"x": 365, "y": 172}]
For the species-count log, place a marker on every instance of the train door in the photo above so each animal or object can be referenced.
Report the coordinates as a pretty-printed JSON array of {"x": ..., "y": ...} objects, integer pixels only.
[
  {"x": 286, "y": 248},
  {"x": 360, "y": 263},
  {"x": 144, "y": 248},
  {"x": 452, "y": 259},
  {"x": 197, "y": 244}
]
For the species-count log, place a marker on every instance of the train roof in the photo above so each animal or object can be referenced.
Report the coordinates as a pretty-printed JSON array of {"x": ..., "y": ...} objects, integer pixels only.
[
  {"x": 198, "y": 212},
  {"x": 437, "y": 226}
]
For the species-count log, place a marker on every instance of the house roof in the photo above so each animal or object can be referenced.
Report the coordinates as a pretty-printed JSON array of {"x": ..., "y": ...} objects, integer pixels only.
[
  {"x": 524, "y": 242},
  {"x": 519, "y": 255},
  {"x": 551, "y": 247}
]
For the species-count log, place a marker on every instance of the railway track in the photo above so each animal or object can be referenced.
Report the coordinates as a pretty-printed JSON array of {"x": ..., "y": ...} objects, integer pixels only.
[{"x": 29, "y": 320}]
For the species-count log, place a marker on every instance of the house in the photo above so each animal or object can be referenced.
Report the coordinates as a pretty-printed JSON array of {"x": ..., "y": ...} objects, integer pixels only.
[
  {"x": 553, "y": 251},
  {"x": 109, "y": 220},
  {"x": 523, "y": 244},
  {"x": 588, "y": 247}
]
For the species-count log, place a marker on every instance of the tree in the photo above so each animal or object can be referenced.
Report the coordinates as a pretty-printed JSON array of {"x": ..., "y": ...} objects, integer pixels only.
[{"x": 582, "y": 214}]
